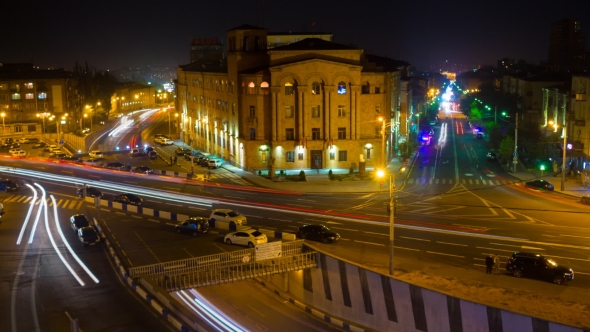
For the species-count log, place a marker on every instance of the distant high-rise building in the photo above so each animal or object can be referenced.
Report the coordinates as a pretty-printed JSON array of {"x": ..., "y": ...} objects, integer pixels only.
[
  {"x": 567, "y": 45},
  {"x": 206, "y": 49}
]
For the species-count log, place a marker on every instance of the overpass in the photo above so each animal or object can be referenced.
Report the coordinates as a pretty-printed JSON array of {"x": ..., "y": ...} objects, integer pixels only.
[{"x": 225, "y": 267}]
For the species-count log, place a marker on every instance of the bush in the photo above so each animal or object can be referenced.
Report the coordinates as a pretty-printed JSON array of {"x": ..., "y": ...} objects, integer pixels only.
[
  {"x": 330, "y": 175},
  {"x": 351, "y": 170},
  {"x": 260, "y": 173},
  {"x": 281, "y": 173},
  {"x": 302, "y": 176}
]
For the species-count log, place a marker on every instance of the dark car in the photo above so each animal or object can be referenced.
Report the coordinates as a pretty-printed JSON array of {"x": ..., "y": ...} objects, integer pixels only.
[
  {"x": 204, "y": 162},
  {"x": 540, "y": 184},
  {"x": 115, "y": 165},
  {"x": 88, "y": 236},
  {"x": 142, "y": 170},
  {"x": 78, "y": 221},
  {"x": 317, "y": 233},
  {"x": 90, "y": 192},
  {"x": 527, "y": 264},
  {"x": 491, "y": 156},
  {"x": 148, "y": 149},
  {"x": 9, "y": 141},
  {"x": 8, "y": 185},
  {"x": 33, "y": 140},
  {"x": 70, "y": 159},
  {"x": 128, "y": 199},
  {"x": 479, "y": 135},
  {"x": 193, "y": 226},
  {"x": 182, "y": 151}
]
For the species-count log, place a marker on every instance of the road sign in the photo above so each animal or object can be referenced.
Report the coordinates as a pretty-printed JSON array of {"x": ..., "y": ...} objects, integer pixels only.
[
  {"x": 515, "y": 158},
  {"x": 245, "y": 259},
  {"x": 269, "y": 250}
]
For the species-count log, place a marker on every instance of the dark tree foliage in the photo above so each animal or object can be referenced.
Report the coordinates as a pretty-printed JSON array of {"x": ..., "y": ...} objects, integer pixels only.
[{"x": 94, "y": 87}]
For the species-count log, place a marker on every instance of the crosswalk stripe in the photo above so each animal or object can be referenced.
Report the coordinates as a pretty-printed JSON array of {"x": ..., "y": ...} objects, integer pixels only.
[{"x": 72, "y": 204}]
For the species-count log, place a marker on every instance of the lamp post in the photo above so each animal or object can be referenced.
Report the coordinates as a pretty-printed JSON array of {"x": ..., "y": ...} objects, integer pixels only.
[
  {"x": 42, "y": 116},
  {"x": 176, "y": 122},
  {"x": 391, "y": 209},
  {"x": 3, "y": 126},
  {"x": 563, "y": 157},
  {"x": 515, "y": 158}
]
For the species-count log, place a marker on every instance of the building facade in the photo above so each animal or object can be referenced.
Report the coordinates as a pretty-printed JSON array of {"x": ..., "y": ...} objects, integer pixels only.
[
  {"x": 277, "y": 39},
  {"x": 309, "y": 104},
  {"x": 580, "y": 109},
  {"x": 132, "y": 96},
  {"x": 30, "y": 96}
]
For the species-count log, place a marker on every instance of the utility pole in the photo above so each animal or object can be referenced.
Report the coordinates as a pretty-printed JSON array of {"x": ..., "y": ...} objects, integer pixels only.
[
  {"x": 563, "y": 158},
  {"x": 515, "y": 159}
]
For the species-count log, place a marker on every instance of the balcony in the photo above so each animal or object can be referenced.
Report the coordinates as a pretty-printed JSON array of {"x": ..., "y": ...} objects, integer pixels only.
[
  {"x": 252, "y": 120},
  {"x": 581, "y": 96}
]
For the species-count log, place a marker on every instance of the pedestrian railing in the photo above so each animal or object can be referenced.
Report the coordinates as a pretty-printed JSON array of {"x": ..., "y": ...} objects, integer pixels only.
[
  {"x": 214, "y": 276},
  {"x": 211, "y": 262}
]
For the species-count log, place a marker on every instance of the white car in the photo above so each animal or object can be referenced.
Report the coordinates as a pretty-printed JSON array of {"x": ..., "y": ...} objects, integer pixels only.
[
  {"x": 228, "y": 215},
  {"x": 164, "y": 141},
  {"x": 95, "y": 154},
  {"x": 159, "y": 139},
  {"x": 19, "y": 153},
  {"x": 248, "y": 237},
  {"x": 214, "y": 163},
  {"x": 23, "y": 140},
  {"x": 13, "y": 151}
]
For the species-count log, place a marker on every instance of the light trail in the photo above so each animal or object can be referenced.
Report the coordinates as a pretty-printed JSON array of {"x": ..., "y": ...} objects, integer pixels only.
[
  {"x": 61, "y": 234},
  {"x": 63, "y": 260},
  {"x": 22, "y": 230},
  {"x": 42, "y": 205},
  {"x": 208, "y": 312}
]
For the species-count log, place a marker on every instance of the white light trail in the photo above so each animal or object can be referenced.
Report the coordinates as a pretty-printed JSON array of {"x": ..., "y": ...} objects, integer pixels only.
[
  {"x": 39, "y": 211},
  {"x": 203, "y": 307},
  {"x": 22, "y": 230},
  {"x": 63, "y": 260},
  {"x": 61, "y": 234}
]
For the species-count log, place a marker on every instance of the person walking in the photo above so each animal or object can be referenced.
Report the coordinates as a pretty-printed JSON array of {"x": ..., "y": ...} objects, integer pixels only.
[
  {"x": 496, "y": 264},
  {"x": 170, "y": 160},
  {"x": 489, "y": 264}
]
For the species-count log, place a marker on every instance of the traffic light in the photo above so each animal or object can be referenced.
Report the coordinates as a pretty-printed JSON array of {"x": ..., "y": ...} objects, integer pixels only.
[{"x": 504, "y": 113}]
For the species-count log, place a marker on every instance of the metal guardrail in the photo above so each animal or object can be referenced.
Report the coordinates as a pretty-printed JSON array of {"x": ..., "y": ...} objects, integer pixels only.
[
  {"x": 211, "y": 262},
  {"x": 236, "y": 273}
]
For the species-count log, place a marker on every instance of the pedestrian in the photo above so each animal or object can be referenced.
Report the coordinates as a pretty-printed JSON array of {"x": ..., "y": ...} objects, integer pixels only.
[
  {"x": 489, "y": 264},
  {"x": 170, "y": 160},
  {"x": 496, "y": 264}
]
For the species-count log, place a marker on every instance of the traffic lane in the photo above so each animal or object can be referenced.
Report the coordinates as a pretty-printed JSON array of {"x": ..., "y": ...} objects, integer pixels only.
[
  {"x": 267, "y": 312},
  {"x": 144, "y": 240},
  {"x": 457, "y": 250}
]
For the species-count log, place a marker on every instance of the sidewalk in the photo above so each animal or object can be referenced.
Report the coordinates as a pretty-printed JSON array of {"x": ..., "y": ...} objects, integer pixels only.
[{"x": 572, "y": 187}]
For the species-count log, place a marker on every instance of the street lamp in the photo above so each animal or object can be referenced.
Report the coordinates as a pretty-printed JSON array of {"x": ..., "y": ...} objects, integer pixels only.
[
  {"x": 391, "y": 210},
  {"x": 3, "y": 126},
  {"x": 383, "y": 126},
  {"x": 42, "y": 116}
]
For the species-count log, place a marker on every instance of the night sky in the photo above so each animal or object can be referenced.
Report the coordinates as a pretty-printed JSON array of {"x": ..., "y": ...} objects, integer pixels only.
[{"x": 111, "y": 35}]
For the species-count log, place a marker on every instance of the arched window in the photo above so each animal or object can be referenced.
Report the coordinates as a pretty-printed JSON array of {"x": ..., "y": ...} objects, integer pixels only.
[
  {"x": 251, "y": 88},
  {"x": 264, "y": 88},
  {"x": 341, "y": 88},
  {"x": 288, "y": 89},
  {"x": 315, "y": 88}
]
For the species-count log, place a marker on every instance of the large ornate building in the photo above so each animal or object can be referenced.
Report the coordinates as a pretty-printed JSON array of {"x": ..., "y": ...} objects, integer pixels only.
[{"x": 309, "y": 104}]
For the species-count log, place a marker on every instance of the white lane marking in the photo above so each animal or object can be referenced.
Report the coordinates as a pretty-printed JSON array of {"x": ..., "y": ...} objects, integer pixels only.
[
  {"x": 440, "y": 253},
  {"x": 129, "y": 182},
  {"x": 494, "y": 249},
  {"x": 414, "y": 238},
  {"x": 306, "y": 200},
  {"x": 406, "y": 248},
  {"x": 333, "y": 222},
  {"x": 481, "y": 227},
  {"x": 531, "y": 248},
  {"x": 376, "y": 215},
  {"x": 376, "y": 233},
  {"x": 582, "y": 237},
  {"x": 174, "y": 204},
  {"x": 137, "y": 217},
  {"x": 188, "y": 252},
  {"x": 153, "y": 220},
  {"x": 279, "y": 219},
  {"x": 375, "y": 244},
  {"x": 171, "y": 188},
  {"x": 452, "y": 244},
  {"x": 346, "y": 229},
  {"x": 196, "y": 208},
  {"x": 506, "y": 245}
]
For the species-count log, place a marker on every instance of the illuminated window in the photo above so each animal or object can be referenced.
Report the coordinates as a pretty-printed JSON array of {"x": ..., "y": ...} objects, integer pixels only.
[
  {"x": 251, "y": 88},
  {"x": 28, "y": 85},
  {"x": 29, "y": 96},
  {"x": 264, "y": 88},
  {"x": 16, "y": 96},
  {"x": 263, "y": 157},
  {"x": 289, "y": 112},
  {"x": 290, "y": 156},
  {"x": 288, "y": 89},
  {"x": 42, "y": 95},
  {"x": 368, "y": 157},
  {"x": 341, "y": 88},
  {"x": 315, "y": 88},
  {"x": 3, "y": 87},
  {"x": 290, "y": 134},
  {"x": 341, "y": 110},
  {"x": 342, "y": 133}
]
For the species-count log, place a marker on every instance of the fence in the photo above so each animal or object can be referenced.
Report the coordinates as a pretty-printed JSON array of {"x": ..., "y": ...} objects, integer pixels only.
[
  {"x": 211, "y": 262},
  {"x": 239, "y": 272}
]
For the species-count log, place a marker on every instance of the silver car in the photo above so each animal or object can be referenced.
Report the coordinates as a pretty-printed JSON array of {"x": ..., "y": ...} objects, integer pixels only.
[
  {"x": 248, "y": 237},
  {"x": 228, "y": 215}
]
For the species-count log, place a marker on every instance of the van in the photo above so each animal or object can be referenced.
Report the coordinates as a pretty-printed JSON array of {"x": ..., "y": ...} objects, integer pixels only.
[
  {"x": 95, "y": 154},
  {"x": 214, "y": 163}
]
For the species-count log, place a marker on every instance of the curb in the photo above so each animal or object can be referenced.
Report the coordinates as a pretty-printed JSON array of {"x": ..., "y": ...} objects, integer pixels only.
[
  {"x": 138, "y": 289},
  {"x": 311, "y": 310}
]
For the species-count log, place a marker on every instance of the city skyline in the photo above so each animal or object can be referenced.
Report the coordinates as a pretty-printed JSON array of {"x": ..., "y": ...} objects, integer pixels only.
[{"x": 118, "y": 35}]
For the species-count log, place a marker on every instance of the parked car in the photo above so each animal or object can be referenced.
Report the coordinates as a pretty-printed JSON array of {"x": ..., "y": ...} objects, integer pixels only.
[
  {"x": 50, "y": 147},
  {"x": 492, "y": 156},
  {"x": 247, "y": 237},
  {"x": 78, "y": 221},
  {"x": 204, "y": 162},
  {"x": 128, "y": 199},
  {"x": 142, "y": 170},
  {"x": 540, "y": 184},
  {"x": 90, "y": 192},
  {"x": 479, "y": 135},
  {"x": 135, "y": 153},
  {"x": 213, "y": 163},
  {"x": 14, "y": 150},
  {"x": 317, "y": 232},
  {"x": 527, "y": 264},
  {"x": 85, "y": 130},
  {"x": 160, "y": 139},
  {"x": 147, "y": 149},
  {"x": 57, "y": 154},
  {"x": 8, "y": 185},
  {"x": 33, "y": 140},
  {"x": 88, "y": 236},
  {"x": 115, "y": 165},
  {"x": 23, "y": 140},
  {"x": 92, "y": 161},
  {"x": 228, "y": 215},
  {"x": 166, "y": 141},
  {"x": 71, "y": 159},
  {"x": 19, "y": 153},
  {"x": 182, "y": 151},
  {"x": 39, "y": 145},
  {"x": 95, "y": 154},
  {"x": 193, "y": 226}
]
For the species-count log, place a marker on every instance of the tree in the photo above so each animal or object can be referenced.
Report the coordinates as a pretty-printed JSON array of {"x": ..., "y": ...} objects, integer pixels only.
[
  {"x": 506, "y": 148},
  {"x": 475, "y": 113}
]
